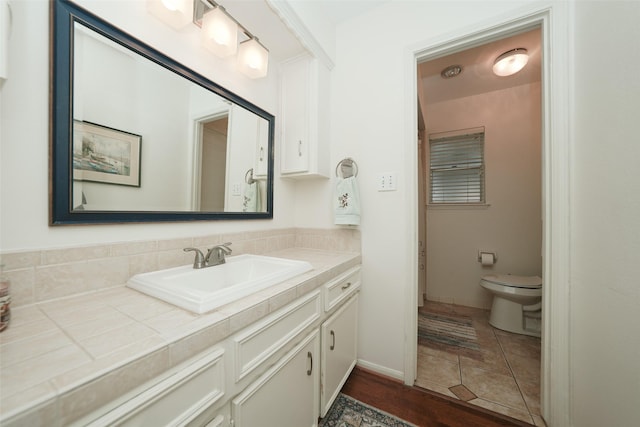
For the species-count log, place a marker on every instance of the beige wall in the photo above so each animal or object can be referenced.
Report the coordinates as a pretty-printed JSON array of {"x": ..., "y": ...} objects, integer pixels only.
[{"x": 511, "y": 224}]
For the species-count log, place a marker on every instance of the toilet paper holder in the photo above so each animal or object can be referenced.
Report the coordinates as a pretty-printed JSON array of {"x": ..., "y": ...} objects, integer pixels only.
[{"x": 481, "y": 252}]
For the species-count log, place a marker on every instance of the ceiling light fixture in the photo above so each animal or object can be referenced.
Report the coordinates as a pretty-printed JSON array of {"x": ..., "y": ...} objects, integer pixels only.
[
  {"x": 451, "y": 71},
  {"x": 220, "y": 31},
  {"x": 510, "y": 62}
]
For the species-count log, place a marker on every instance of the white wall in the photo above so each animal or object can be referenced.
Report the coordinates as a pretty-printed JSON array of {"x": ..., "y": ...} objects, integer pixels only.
[
  {"x": 605, "y": 216},
  {"x": 369, "y": 113},
  {"x": 24, "y": 128},
  {"x": 316, "y": 19},
  {"x": 511, "y": 225}
]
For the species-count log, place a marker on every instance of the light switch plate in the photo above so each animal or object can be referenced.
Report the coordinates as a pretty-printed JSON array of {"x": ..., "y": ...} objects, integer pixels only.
[{"x": 387, "y": 181}]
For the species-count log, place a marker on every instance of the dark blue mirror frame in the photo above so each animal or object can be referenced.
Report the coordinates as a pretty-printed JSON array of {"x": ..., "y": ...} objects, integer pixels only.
[{"x": 63, "y": 15}]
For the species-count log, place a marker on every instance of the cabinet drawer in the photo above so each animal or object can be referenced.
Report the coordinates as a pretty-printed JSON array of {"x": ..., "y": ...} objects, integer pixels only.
[
  {"x": 176, "y": 400},
  {"x": 255, "y": 344},
  {"x": 341, "y": 288}
]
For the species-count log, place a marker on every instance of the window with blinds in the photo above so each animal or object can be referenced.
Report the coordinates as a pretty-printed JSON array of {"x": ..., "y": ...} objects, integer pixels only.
[{"x": 456, "y": 168}]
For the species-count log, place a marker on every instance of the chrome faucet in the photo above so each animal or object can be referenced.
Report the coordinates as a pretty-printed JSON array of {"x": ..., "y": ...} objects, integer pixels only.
[
  {"x": 215, "y": 255},
  {"x": 198, "y": 262}
]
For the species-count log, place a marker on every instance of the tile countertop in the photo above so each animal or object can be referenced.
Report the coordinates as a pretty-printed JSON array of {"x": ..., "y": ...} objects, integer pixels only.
[{"x": 64, "y": 358}]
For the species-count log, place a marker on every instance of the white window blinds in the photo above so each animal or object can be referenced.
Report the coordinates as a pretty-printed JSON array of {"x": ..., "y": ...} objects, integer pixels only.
[{"x": 457, "y": 168}]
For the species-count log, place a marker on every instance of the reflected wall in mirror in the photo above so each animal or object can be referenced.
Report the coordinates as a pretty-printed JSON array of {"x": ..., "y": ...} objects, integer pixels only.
[{"x": 137, "y": 137}]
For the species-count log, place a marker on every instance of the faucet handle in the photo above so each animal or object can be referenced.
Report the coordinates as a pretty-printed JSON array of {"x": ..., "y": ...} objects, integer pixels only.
[
  {"x": 198, "y": 262},
  {"x": 216, "y": 254}
]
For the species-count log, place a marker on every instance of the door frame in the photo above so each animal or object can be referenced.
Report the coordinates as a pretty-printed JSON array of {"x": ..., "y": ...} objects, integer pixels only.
[
  {"x": 195, "y": 158},
  {"x": 556, "y": 22}
]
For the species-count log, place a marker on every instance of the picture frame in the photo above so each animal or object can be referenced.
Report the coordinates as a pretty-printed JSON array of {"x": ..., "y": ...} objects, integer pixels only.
[{"x": 106, "y": 155}]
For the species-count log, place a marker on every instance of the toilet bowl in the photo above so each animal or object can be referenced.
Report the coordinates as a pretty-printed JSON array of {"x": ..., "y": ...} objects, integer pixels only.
[{"x": 516, "y": 303}]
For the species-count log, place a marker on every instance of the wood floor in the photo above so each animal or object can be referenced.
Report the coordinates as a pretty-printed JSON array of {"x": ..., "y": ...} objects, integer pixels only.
[{"x": 419, "y": 406}]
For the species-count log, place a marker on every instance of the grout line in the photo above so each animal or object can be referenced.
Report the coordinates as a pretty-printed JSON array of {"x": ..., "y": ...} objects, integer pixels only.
[{"x": 515, "y": 380}]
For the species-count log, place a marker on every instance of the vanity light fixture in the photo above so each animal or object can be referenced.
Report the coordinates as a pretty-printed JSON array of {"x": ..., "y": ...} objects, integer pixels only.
[
  {"x": 175, "y": 13},
  {"x": 253, "y": 58},
  {"x": 510, "y": 62},
  {"x": 220, "y": 32}
]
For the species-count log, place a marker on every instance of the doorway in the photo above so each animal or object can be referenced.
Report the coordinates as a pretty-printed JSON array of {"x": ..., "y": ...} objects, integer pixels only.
[
  {"x": 488, "y": 197},
  {"x": 556, "y": 65},
  {"x": 209, "y": 178},
  {"x": 213, "y": 167}
]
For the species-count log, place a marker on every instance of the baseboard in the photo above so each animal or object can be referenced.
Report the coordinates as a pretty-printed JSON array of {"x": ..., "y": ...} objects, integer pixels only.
[{"x": 398, "y": 375}]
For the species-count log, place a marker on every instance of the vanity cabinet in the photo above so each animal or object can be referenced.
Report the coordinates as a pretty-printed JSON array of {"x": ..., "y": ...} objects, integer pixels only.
[
  {"x": 339, "y": 335},
  {"x": 287, "y": 394},
  {"x": 305, "y": 121},
  {"x": 283, "y": 370},
  {"x": 177, "y": 399},
  {"x": 339, "y": 351}
]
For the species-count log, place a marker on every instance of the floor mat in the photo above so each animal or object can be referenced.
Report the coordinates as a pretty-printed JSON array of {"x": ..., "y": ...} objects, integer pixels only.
[{"x": 445, "y": 329}]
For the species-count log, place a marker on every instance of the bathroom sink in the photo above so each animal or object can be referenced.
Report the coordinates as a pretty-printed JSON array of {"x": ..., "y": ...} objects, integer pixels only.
[{"x": 204, "y": 289}]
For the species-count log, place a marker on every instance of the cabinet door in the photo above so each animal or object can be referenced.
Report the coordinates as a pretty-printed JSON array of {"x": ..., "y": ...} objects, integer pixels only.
[
  {"x": 287, "y": 394},
  {"x": 262, "y": 150},
  {"x": 339, "y": 351},
  {"x": 295, "y": 117}
]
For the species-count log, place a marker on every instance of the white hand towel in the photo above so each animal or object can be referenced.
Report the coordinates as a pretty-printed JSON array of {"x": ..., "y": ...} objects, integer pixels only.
[
  {"x": 251, "y": 202},
  {"x": 347, "y": 202}
]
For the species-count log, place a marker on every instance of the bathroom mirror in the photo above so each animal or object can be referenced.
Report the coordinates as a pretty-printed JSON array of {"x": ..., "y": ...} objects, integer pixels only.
[{"x": 138, "y": 137}]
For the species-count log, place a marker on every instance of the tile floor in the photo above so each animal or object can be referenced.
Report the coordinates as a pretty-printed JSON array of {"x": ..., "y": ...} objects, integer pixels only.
[{"x": 502, "y": 376}]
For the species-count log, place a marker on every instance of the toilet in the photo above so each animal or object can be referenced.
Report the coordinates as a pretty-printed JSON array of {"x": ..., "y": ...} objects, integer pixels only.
[{"x": 516, "y": 302}]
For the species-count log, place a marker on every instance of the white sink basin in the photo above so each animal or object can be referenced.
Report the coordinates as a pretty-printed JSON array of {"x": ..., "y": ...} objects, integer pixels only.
[{"x": 204, "y": 289}]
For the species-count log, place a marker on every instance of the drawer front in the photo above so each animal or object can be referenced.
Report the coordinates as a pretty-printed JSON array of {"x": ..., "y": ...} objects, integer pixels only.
[
  {"x": 341, "y": 288},
  {"x": 257, "y": 343},
  {"x": 176, "y": 400}
]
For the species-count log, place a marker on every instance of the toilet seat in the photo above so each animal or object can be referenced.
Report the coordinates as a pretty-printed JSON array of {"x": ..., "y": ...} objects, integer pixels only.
[{"x": 525, "y": 282}]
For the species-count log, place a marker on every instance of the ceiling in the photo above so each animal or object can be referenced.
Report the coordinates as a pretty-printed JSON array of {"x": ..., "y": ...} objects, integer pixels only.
[
  {"x": 477, "y": 76},
  {"x": 261, "y": 20},
  {"x": 342, "y": 10}
]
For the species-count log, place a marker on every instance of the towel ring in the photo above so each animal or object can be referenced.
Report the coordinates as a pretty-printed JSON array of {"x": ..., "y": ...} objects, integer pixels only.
[
  {"x": 248, "y": 177},
  {"x": 346, "y": 163}
]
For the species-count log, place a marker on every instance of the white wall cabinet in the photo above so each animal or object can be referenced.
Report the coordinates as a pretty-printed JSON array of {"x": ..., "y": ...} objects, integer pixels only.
[
  {"x": 339, "y": 351},
  {"x": 262, "y": 150},
  {"x": 287, "y": 394},
  {"x": 305, "y": 121}
]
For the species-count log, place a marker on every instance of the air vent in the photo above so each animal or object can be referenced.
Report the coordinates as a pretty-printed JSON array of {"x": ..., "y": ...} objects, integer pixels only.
[{"x": 451, "y": 71}]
